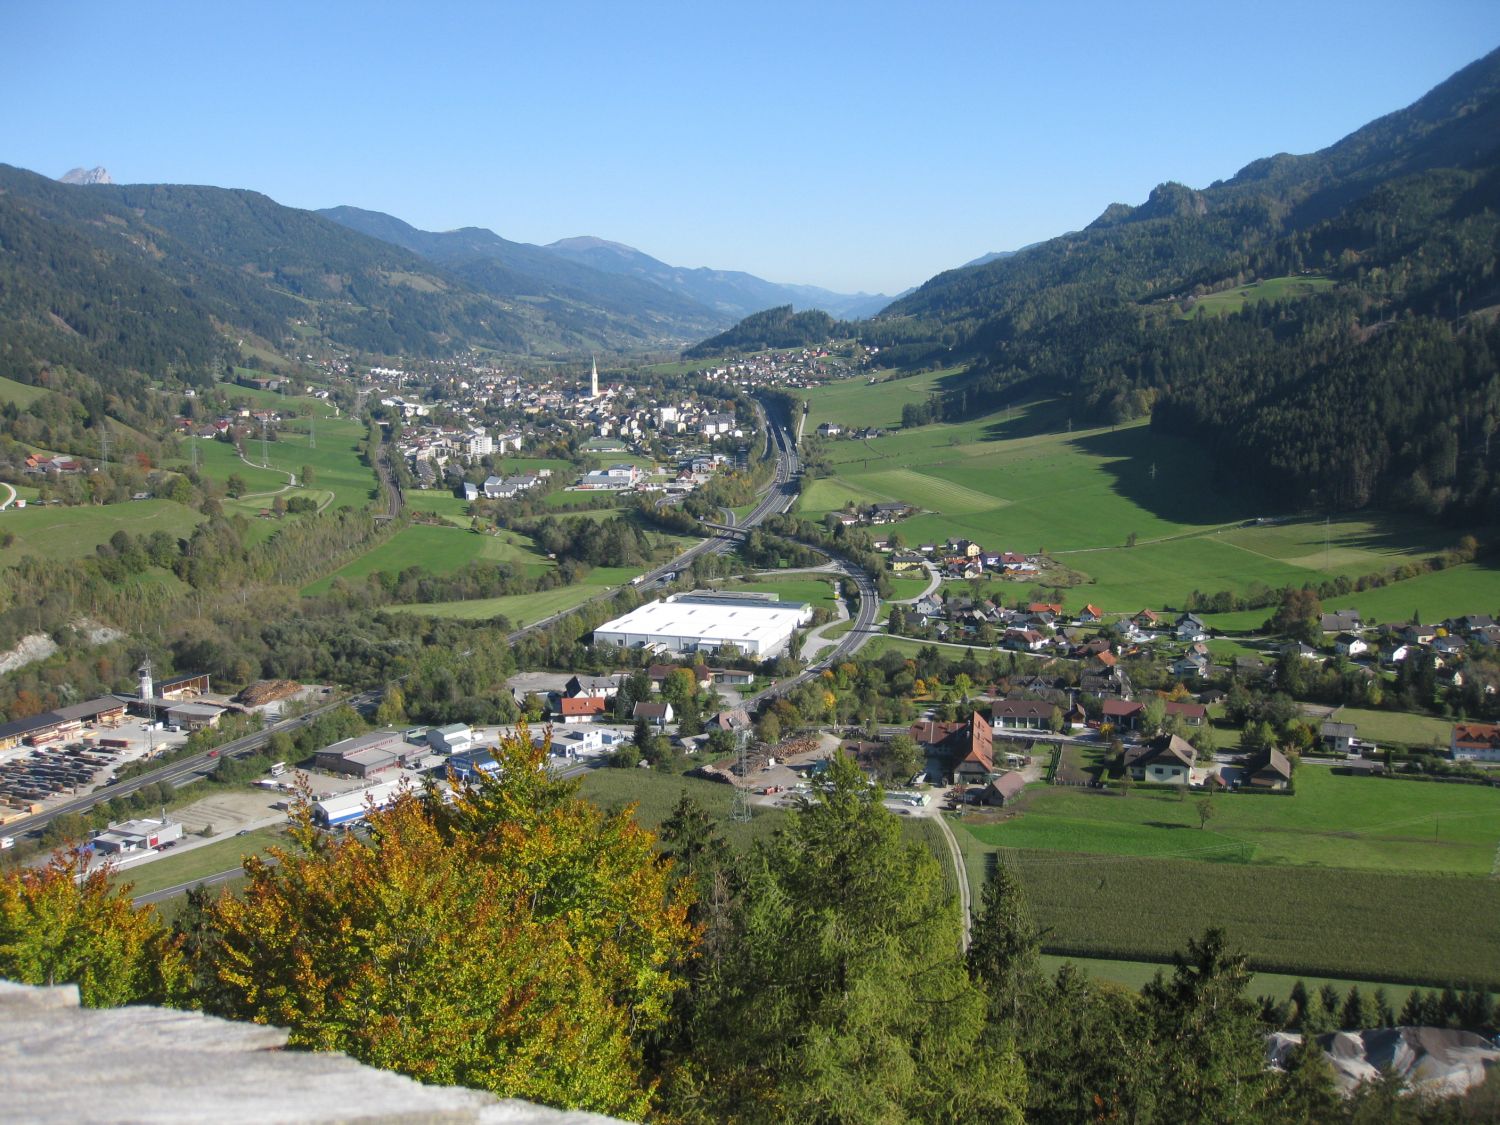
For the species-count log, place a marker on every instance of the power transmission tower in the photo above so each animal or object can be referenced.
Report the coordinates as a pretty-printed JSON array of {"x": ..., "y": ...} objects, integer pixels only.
[
  {"x": 312, "y": 432},
  {"x": 1153, "y": 470},
  {"x": 104, "y": 443},
  {"x": 740, "y": 809},
  {"x": 265, "y": 456}
]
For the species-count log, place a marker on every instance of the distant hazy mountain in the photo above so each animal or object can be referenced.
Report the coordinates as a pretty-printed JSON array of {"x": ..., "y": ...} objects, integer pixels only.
[
  {"x": 992, "y": 256},
  {"x": 732, "y": 292},
  {"x": 625, "y": 306},
  {"x": 86, "y": 176}
]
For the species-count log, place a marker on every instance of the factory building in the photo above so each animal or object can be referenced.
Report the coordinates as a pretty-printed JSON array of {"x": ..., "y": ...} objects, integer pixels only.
[{"x": 757, "y": 625}]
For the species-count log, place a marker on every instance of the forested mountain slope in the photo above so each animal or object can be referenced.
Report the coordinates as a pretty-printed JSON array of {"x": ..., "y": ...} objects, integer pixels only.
[{"x": 1325, "y": 324}]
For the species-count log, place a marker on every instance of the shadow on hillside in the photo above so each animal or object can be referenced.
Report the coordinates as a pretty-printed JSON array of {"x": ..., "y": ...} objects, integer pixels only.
[
  {"x": 1027, "y": 419},
  {"x": 1169, "y": 477}
]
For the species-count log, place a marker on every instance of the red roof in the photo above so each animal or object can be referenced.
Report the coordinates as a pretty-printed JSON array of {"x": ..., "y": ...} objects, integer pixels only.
[
  {"x": 1476, "y": 736},
  {"x": 1121, "y": 708},
  {"x": 583, "y": 705}
]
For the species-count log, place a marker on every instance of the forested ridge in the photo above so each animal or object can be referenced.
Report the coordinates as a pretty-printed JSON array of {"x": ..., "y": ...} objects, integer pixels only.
[{"x": 1322, "y": 324}]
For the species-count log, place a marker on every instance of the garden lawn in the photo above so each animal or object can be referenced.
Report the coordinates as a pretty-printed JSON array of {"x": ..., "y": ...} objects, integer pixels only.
[
  {"x": 1331, "y": 821},
  {"x": 1384, "y": 727}
]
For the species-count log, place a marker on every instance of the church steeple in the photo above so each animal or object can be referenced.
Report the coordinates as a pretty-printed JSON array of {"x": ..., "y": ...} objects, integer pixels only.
[{"x": 594, "y": 379}]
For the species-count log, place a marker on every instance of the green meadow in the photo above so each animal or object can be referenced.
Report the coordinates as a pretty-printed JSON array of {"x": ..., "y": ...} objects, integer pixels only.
[
  {"x": 439, "y": 550},
  {"x": 1020, "y": 480},
  {"x": 1271, "y": 289},
  {"x": 855, "y": 402},
  {"x": 523, "y": 609},
  {"x": 817, "y": 592},
  {"x": 21, "y": 395},
  {"x": 54, "y": 532},
  {"x": 1364, "y": 878},
  {"x": 1331, "y": 821}
]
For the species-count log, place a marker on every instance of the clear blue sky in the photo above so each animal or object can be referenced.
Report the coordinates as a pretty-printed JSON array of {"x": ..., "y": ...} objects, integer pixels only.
[{"x": 856, "y": 146}]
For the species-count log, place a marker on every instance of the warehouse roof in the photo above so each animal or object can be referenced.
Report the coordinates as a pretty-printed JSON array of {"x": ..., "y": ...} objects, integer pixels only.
[{"x": 759, "y": 623}]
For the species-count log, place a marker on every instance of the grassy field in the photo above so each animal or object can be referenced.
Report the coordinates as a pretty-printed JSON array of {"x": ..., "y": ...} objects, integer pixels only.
[
  {"x": 655, "y": 793},
  {"x": 1471, "y": 588},
  {"x": 817, "y": 592},
  {"x": 454, "y": 509},
  {"x": 1271, "y": 289},
  {"x": 1364, "y": 925},
  {"x": 1332, "y": 821},
  {"x": 1021, "y": 480},
  {"x": 1384, "y": 727},
  {"x": 332, "y": 451},
  {"x": 1136, "y": 974},
  {"x": 523, "y": 609},
  {"x": 68, "y": 532},
  {"x": 903, "y": 588},
  {"x": 440, "y": 550},
  {"x": 854, "y": 402},
  {"x": 199, "y": 863},
  {"x": 21, "y": 395}
]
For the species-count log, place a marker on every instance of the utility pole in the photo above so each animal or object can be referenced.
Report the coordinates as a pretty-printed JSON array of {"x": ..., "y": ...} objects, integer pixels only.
[
  {"x": 312, "y": 431},
  {"x": 265, "y": 457}
]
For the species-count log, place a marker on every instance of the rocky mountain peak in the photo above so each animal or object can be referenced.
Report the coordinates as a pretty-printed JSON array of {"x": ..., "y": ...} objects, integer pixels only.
[{"x": 87, "y": 176}]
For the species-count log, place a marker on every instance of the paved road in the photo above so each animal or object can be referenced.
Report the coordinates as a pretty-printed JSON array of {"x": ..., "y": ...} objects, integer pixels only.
[{"x": 9, "y": 500}]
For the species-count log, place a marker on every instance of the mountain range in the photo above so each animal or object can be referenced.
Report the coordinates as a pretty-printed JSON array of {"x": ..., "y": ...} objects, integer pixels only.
[{"x": 1324, "y": 323}]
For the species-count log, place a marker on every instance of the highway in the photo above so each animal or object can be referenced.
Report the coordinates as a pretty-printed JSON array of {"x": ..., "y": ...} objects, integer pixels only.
[
  {"x": 185, "y": 770},
  {"x": 779, "y": 496}
]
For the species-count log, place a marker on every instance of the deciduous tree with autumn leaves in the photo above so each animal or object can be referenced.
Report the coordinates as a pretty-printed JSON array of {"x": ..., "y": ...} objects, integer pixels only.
[{"x": 517, "y": 939}]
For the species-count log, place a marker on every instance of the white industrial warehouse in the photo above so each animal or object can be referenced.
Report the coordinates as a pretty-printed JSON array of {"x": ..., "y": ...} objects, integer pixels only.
[{"x": 758, "y": 625}]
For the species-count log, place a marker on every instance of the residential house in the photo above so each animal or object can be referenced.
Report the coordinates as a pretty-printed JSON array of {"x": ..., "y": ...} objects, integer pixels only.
[
  {"x": 977, "y": 747},
  {"x": 1349, "y": 644},
  {"x": 735, "y": 720},
  {"x": 1190, "y": 666},
  {"x": 1190, "y": 627},
  {"x": 1168, "y": 760},
  {"x": 1193, "y": 714},
  {"x": 658, "y": 713},
  {"x": 1342, "y": 621},
  {"x": 1338, "y": 738},
  {"x": 1090, "y": 615},
  {"x": 581, "y": 708},
  {"x": 1122, "y": 714},
  {"x": 1022, "y": 714},
  {"x": 1145, "y": 619},
  {"x": 1268, "y": 769},
  {"x": 598, "y": 687},
  {"x": 1475, "y": 742}
]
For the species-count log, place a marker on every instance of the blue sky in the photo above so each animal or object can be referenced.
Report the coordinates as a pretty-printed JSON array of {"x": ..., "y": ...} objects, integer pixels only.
[{"x": 856, "y": 146}]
